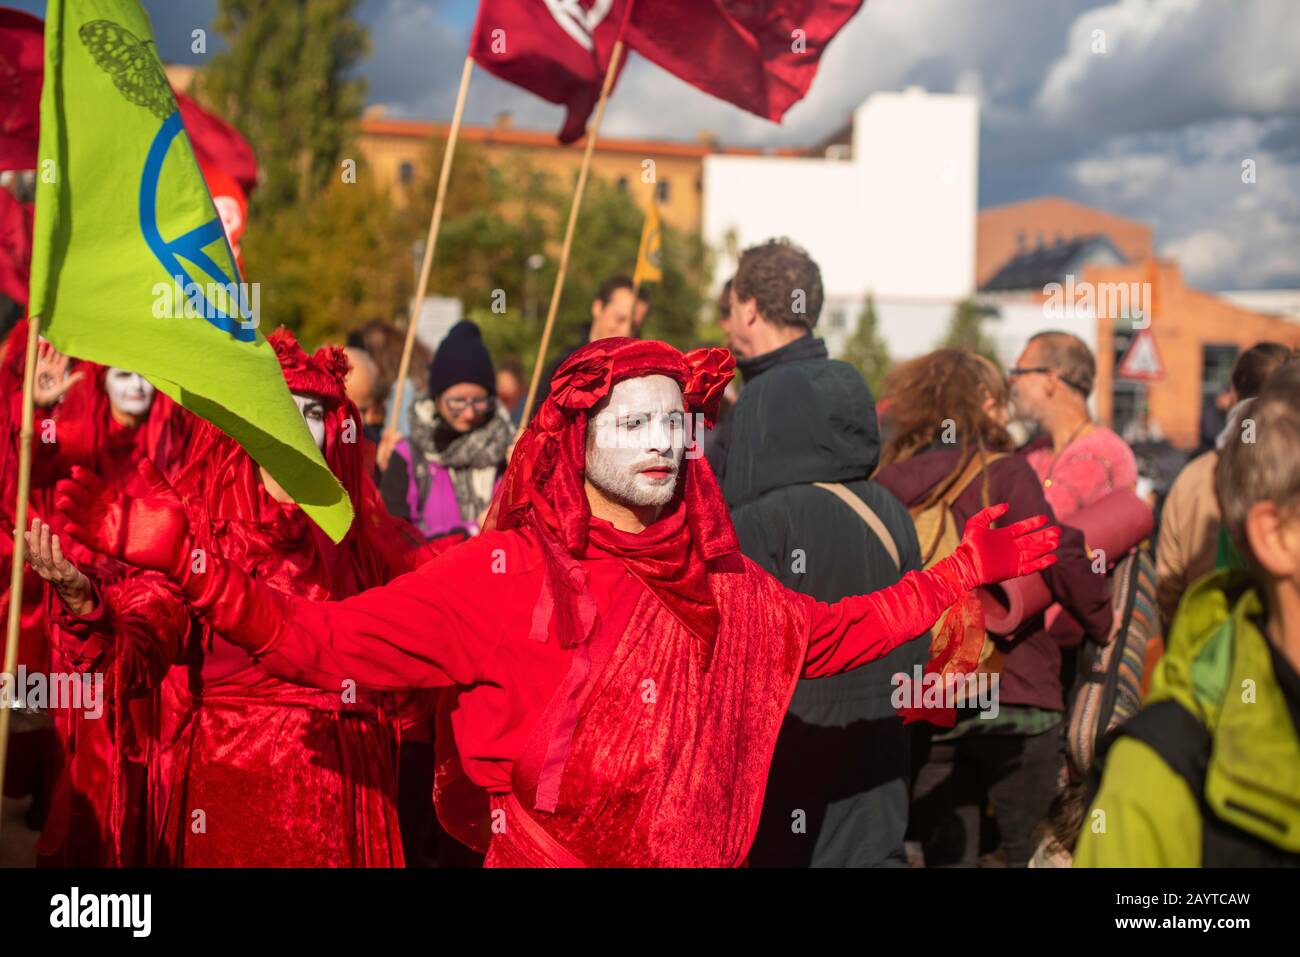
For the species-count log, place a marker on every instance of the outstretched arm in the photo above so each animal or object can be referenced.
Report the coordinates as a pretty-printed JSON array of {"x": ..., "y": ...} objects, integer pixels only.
[
  {"x": 850, "y": 633},
  {"x": 402, "y": 635}
]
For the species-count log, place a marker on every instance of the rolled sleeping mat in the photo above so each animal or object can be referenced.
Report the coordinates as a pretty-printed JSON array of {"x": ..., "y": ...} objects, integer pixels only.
[{"x": 1113, "y": 525}]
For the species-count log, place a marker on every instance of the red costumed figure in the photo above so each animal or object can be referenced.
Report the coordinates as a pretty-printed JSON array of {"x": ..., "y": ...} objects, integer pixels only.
[
  {"x": 317, "y": 763},
  {"x": 617, "y": 670},
  {"x": 108, "y": 421}
]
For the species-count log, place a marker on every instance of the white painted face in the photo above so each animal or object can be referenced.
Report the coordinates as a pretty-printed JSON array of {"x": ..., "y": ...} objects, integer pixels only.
[
  {"x": 636, "y": 443},
  {"x": 128, "y": 391},
  {"x": 313, "y": 413}
]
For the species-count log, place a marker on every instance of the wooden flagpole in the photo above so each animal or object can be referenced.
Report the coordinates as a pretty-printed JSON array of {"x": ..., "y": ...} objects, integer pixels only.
[
  {"x": 431, "y": 242},
  {"x": 592, "y": 132},
  {"x": 20, "y": 544}
]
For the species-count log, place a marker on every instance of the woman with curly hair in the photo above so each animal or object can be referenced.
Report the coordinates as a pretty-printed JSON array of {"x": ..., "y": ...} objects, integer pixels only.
[{"x": 949, "y": 441}]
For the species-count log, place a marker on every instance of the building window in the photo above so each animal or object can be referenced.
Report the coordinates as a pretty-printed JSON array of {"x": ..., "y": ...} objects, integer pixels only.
[
  {"x": 1128, "y": 397},
  {"x": 406, "y": 173},
  {"x": 1216, "y": 375},
  {"x": 661, "y": 191}
]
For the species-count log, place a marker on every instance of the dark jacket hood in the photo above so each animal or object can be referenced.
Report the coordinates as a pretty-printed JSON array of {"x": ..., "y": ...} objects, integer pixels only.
[{"x": 803, "y": 421}]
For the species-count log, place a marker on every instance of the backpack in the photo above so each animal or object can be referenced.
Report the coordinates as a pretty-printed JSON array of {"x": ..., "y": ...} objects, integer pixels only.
[
  {"x": 1108, "y": 690},
  {"x": 939, "y": 530}
]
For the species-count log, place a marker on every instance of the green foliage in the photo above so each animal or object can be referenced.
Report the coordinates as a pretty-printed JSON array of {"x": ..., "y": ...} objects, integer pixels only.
[
  {"x": 285, "y": 81},
  {"x": 866, "y": 349},
  {"x": 966, "y": 331}
]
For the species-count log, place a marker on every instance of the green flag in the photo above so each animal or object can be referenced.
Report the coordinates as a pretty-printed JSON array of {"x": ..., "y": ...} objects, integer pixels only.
[{"x": 130, "y": 265}]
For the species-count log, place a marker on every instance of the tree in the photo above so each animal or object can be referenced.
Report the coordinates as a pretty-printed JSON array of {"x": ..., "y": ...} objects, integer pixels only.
[
  {"x": 866, "y": 349},
  {"x": 285, "y": 81},
  {"x": 965, "y": 331}
]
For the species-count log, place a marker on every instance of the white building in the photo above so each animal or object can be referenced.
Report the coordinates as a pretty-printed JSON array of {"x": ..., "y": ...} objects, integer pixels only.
[{"x": 891, "y": 212}]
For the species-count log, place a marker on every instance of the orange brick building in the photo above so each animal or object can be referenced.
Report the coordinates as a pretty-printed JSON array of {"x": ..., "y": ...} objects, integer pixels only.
[
  {"x": 397, "y": 148},
  {"x": 1003, "y": 231},
  {"x": 1197, "y": 335}
]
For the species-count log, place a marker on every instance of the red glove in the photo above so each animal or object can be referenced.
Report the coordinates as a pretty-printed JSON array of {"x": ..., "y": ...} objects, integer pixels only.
[
  {"x": 986, "y": 555},
  {"x": 146, "y": 532},
  {"x": 153, "y": 532},
  {"x": 990, "y": 555}
]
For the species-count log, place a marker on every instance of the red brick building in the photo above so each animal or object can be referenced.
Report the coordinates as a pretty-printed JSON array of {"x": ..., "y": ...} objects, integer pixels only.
[{"x": 1197, "y": 335}]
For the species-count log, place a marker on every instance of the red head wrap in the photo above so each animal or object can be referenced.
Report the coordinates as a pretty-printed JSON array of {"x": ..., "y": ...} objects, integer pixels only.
[{"x": 544, "y": 484}]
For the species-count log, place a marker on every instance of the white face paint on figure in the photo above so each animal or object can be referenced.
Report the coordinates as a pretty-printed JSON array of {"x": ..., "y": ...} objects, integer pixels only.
[
  {"x": 128, "y": 392},
  {"x": 636, "y": 442},
  {"x": 313, "y": 413}
]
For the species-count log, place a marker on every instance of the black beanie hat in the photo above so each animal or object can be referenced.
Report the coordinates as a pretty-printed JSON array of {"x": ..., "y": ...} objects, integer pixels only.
[{"x": 462, "y": 357}]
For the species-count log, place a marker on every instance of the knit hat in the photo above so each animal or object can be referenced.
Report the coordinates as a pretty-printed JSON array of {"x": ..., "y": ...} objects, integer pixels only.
[{"x": 462, "y": 357}]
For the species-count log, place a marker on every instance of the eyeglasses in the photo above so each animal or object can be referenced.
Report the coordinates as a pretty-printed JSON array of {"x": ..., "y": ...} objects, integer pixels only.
[
  {"x": 458, "y": 405},
  {"x": 1027, "y": 370}
]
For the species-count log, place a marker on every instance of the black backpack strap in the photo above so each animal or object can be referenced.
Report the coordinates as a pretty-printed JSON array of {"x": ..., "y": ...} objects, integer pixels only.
[{"x": 1173, "y": 732}]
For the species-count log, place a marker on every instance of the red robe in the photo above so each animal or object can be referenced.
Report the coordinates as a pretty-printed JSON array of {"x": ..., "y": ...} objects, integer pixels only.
[
  {"x": 645, "y": 745},
  {"x": 254, "y": 771},
  {"x": 98, "y": 768}
]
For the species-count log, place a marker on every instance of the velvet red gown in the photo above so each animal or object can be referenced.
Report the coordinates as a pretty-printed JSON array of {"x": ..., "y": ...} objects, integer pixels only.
[
  {"x": 644, "y": 746},
  {"x": 96, "y": 815},
  {"x": 251, "y": 770}
]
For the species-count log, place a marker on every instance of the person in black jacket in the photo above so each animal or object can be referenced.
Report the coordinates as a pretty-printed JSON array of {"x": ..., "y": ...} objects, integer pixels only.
[{"x": 837, "y": 788}]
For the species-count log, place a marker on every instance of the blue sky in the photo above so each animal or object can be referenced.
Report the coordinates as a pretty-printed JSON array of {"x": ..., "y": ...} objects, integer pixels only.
[{"x": 1155, "y": 128}]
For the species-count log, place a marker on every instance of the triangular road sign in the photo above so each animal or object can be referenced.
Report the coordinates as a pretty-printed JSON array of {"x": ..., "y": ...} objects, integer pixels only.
[{"x": 1142, "y": 360}]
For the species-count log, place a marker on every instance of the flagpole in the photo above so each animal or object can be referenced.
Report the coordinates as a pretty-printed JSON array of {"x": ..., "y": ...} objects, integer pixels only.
[
  {"x": 592, "y": 132},
  {"x": 20, "y": 544},
  {"x": 431, "y": 242}
]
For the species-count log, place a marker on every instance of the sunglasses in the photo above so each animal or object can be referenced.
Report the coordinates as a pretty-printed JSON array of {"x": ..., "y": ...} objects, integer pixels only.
[{"x": 1044, "y": 370}]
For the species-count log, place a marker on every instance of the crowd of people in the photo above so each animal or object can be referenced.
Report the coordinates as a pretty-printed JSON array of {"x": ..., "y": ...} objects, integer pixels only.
[{"x": 602, "y": 636}]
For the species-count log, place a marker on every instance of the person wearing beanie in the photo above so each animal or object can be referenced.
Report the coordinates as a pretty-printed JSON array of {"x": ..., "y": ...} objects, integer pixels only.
[{"x": 442, "y": 475}]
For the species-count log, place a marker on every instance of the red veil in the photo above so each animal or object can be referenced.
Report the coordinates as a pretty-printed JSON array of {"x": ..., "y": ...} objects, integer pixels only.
[
  {"x": 543, "y": 487},
  {"x": 221, "y": 486}
]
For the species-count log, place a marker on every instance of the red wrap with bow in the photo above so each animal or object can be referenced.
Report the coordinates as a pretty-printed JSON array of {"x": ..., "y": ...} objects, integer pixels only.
[{"x": 544, "y": 486}]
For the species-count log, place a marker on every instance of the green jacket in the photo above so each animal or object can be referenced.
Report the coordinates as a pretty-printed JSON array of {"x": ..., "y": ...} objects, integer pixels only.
[{"x": 1218, "y": 666}]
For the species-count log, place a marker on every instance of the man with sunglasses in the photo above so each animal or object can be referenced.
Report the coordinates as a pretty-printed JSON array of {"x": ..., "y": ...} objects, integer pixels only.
[{"x": 1078, "y": 460}]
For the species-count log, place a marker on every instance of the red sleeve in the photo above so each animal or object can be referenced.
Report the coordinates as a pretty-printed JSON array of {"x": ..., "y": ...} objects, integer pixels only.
[
  {"x": 434, "y": 627},
  {"x": 137, "y": 628},
  {"x": 855, "y": 630}
]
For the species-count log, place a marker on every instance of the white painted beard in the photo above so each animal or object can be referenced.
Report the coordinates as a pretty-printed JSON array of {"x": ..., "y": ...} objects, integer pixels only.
[{"x": 626, "y": 485}]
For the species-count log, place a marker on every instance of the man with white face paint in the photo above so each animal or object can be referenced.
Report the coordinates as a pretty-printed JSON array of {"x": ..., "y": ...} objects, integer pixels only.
[
  {"x": 614, "y": 670},
  {"x": 635, "y": 447}
]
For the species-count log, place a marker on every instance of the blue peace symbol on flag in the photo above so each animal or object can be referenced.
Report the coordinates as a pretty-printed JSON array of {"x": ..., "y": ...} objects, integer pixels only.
[{"x": 190, "y": 246}]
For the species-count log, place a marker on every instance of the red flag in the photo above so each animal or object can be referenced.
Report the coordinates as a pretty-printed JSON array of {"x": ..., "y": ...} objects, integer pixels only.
[
  {"x": 15, "y": 246},
  {"x": 557, "y": 49},
  {"x": 217, "y": 145},
  {"x": 761, "y": 56},
  {"x": 22, "y": 62}
]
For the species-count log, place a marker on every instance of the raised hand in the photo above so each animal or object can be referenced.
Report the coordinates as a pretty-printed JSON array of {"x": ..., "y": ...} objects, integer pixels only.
[
  {"x": 989, "y": 555},
  {"x": 146, "y": 532},
  {"x": 45, "y": 555},
  {"x": 52, "y": 377}
]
